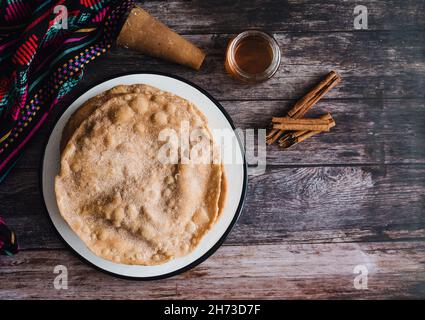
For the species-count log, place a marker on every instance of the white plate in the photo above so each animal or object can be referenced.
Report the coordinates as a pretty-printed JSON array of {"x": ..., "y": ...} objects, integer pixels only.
[{"x": 236, "y": 173}]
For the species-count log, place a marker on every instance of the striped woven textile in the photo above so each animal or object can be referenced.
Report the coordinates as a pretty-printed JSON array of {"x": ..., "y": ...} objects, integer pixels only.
[{"x": 44, "y": 48}]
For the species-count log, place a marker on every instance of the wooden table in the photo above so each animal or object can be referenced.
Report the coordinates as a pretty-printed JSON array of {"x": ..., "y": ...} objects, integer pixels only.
[{"x": 355, "y": 196}]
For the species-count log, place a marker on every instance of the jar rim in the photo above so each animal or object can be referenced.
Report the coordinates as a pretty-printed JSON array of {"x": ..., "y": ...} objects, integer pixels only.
[{"x": 274, "y": 64}]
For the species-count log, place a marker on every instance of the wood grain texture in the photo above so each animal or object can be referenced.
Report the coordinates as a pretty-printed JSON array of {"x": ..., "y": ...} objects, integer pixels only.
[
  {"x": 291, "y": 205},
  {"x": 285, "y": 271},
  {"x": 353, "y": 196},
  {"x": 223, "y": 16}
]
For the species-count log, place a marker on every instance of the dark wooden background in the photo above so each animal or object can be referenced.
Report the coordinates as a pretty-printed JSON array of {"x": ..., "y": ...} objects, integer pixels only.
[{"x": 355, "y": 196}]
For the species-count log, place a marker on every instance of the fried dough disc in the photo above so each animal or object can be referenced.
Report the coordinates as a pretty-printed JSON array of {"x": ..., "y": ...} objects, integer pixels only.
[{"x": 92, "y": 104}]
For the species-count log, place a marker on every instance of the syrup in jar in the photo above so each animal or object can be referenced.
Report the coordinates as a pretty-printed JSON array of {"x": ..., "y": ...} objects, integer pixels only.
[{"x": 252, "y": 56}]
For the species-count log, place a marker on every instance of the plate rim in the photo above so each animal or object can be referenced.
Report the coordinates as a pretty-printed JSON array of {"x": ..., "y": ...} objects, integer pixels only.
[{"x": 235, "y": 218}]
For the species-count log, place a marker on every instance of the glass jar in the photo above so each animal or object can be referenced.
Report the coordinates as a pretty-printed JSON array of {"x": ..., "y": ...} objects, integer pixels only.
[{"x": 252, "y": 56}]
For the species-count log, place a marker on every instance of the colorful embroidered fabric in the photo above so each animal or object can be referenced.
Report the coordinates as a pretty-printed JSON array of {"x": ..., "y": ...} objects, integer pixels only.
[
  {"x": 8, "y": 241},
  {"x": 44, "y": 47}
]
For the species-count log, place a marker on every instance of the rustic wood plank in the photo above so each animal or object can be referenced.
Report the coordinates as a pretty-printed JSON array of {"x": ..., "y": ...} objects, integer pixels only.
[
  {"x": 290, "y": 16},
  {"x": 261, "y": 271},
  {"x": 372, "y": 65},
  {"x": 367, "y": 132},
  {"x": 353, "y": 199},
  {"x": 290, "y": 205}
]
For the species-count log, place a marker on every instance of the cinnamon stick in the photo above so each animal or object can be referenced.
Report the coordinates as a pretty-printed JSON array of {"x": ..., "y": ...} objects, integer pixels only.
[
  {"x": 314, "y": 95},
  {"x": 286, "y": 123},
  {"x": 299, "y": 136},
  {"x": 326, "y": 116},
  {"x": 290, "y": 120}
]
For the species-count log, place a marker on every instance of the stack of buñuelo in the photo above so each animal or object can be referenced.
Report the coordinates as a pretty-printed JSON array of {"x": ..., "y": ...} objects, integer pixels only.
[{"x": 115, "y": 191}]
